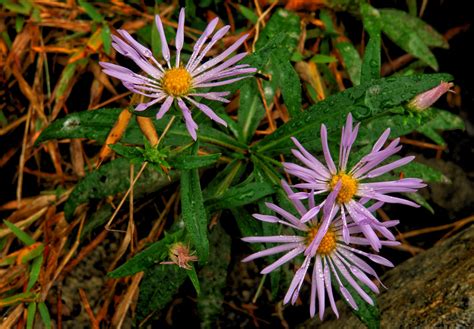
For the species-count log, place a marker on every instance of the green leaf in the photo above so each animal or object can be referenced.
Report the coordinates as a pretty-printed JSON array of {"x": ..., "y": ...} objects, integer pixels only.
[
  {"x": 225, "y": 178},
  {"x": 281, "y": 21},
  {"x": 287, "y": 79},
  {"x": 352, "y": 61},
  {"x": 248, "y": 225},
  {"x": 44, "y": 313},
  {"x": 323, "y": 59},
  {"x": 424, "y": 172},
  {"x": 186, "y": 162},
  {"x": 192, "y": 275},
  {"x": 22, "y": 236},
  {"x": 93, "y": 125},
  {"x": 364, "y": 102},
  {"x": 193, "y": 212},
  {"x": 239, "y": 196},
  {"x": 153, "y": 254},
  {"x": 18, "y": 298},
  {"x": 441, "y": 120},
  {"x": 420, "y": 200},
  {"x": 30, "y": 318},
  {"x": 106, "y": 38},
  {"x": 249, "y": 14},
  {"x": 426, "y": 33},
  {"x": 91, "y": 11},
  {"x": 112, "y": 178},
  {"x": 251, "y": 109},
  {"x": 34, "y": 272},
  {"x": 97, "y": 219},
  {"x": 399, "y": 27},
  {"x": 371, "y": 63},
  {"x": 214, "y": 278},
  {"x": 158, "y": 286},
  {"x": 96, "y": 125}
]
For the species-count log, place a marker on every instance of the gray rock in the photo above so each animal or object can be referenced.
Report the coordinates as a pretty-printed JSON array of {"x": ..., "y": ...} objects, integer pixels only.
[{"x": 434, "y": 289}]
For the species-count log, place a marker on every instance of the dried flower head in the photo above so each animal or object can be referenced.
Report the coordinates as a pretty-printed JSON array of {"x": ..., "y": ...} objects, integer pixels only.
[
  {"x": 167, "y": 83},
  {"x": 181, "y": 255}
]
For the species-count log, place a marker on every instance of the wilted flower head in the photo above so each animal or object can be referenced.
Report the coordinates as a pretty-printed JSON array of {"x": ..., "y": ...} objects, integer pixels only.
[
  {"x": 180, "y": 255},
  {"x": 352, "y": 190},
  {"x": 333, "y": 260},
  {"x": 428, "y": 98},
  {"x": 166, "y": 83}
]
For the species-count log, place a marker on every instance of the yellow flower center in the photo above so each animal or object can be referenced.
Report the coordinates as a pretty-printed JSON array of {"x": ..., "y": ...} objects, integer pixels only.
[
  {"x": 176, "y": 81},
  {"x": 327, "y": 244},
  {"x": 348, "y": 186}
]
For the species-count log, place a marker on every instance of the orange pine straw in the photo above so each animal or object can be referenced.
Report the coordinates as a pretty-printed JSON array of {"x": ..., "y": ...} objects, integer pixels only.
[
  {"x": 87, "y": 307},
  {"x": 115, "y": 134},
  {"x": 148, "y": 129}
]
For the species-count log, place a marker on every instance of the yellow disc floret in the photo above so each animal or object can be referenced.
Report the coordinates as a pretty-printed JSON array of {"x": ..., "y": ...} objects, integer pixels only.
[
  {"x": 327, "y": 244},
  {"x": 348, "y": 186},
  {"x": 176, "y": 81}
]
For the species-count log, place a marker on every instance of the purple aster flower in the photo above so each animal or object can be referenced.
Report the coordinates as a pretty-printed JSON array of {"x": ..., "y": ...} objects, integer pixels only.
[
  {"x": 333, "y": 259},
  {"x": 166, "y": 83},
  {"x": 353, "y": 191}
]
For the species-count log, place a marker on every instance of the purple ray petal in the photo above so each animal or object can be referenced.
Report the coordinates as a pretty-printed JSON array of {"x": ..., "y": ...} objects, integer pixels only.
[
  {"x": 179, "y": 36},
  {"x": 164, "y": 44},
  {"x": 271, "y": 251},
  {"x": 327, "y": 153},
  {"x": 274, "y": 239},
  {"x": 282, "y": 260},
  {"x": 208, "y": 111},
  {"x": 164, "y": 107}
]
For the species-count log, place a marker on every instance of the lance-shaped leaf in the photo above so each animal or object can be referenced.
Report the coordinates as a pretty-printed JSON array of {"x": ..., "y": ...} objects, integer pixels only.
[
  {"x": 364, "y": 102},
  {"x": 193, "y": 212}
]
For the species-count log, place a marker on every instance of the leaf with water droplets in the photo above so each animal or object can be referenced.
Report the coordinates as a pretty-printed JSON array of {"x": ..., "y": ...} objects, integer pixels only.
[
  {"x": 365, "y": 101},
  {"x": 193, "y": 211},
  {"x": 241, "y": 195}
]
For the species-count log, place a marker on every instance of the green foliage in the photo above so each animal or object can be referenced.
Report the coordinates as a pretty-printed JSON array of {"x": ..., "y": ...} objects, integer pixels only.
[
  {"x": 91, "y": 11},
  {"x": 441, "y": 120},
  {"x": 214, "y": 277},
  {"x": 158, "y": 286},
  {"x": 44, "y": 313},
  {"x": 31, "y": 312},
  {"x": 241, "y": 195},
  {"x": 412, "y": 35},
  {"x": 22, "y": 236},
  {"x": 251, "y": 110},
  {"x": 351, "y": 59},
  {"x": 155, "y": 253},
  {"x": 371, "y": 63},
  {"x": 364, "y": 101},
  {"x": 35, "y": 271},
  {"x": 193, "y": 212},
  {"x": 110, "y": 179}
]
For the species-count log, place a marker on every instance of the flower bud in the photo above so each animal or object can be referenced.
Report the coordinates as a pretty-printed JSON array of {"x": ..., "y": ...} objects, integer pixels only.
[{"x": 428, "y": 98}]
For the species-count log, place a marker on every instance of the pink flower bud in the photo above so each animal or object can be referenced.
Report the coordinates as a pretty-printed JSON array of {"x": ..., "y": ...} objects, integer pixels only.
[{"x": 428, "y": 98}]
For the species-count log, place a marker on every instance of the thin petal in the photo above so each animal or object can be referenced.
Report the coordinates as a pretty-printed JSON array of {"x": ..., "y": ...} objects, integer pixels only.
[
  {"x": 164, "y": 44},
  {"x": 271, "y": 251},
  {"x": 179, "y": 36},
  {"x": 327, "y": 153},
  {"x": 282, "y": 260},
  {"x": 164, "y": 107}
]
